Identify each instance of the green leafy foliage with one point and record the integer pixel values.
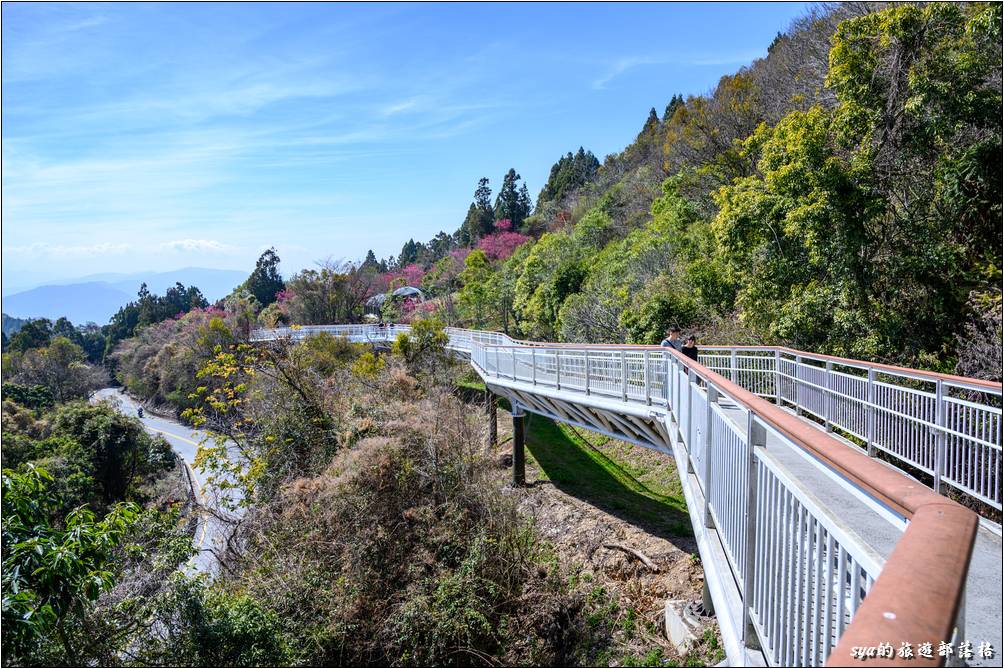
(149, 309)
(33, 397)
(59, 367)
(843, 199)
(50, 572)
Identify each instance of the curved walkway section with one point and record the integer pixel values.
(811, 548)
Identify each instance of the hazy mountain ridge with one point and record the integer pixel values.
(95, 298)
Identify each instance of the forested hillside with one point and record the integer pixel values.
(841, 195)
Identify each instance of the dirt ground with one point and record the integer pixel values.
(581, 533)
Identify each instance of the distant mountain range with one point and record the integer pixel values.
(96, 297)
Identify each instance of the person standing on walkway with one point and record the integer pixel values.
(690, 348)
(672, 339)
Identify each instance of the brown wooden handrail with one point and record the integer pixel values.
(917, 595)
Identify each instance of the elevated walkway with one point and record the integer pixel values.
(811, 548)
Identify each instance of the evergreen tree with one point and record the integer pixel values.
(651, 123)
(525, 204)
(265, 281)
(483, 201)
(468, 233)
(513, 202)
(674, 103)
(35, 333)
(371, 260)
(480, 219)
(567, 175)
(409, 254)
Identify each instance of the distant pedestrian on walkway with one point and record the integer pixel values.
(690, 348)
(673, 339)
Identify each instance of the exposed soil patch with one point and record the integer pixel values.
(597, 500)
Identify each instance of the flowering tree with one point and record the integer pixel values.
(410, 275)
(503, 242)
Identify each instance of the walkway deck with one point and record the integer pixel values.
(984, 620)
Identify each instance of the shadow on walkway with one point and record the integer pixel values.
(578, 469)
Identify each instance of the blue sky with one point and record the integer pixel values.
(151, 137)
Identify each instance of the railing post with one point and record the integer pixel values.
(691, 379)
(680, 428)
(798, 385)
(756, 437)
(777, 377)
(675, 366)
(940, 436)
(624, 375)
(870, 413)
(827, 396)
(709, 417)
(648, 388)
(512, 352)
(533, 364)
(498, 367)
(733, 368)
(587, 371)
(557, 368)
(668, 389)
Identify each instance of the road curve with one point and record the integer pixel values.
(210, 534)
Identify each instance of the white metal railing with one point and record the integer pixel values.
(947, 427)
(801, 573)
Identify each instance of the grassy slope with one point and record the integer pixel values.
(616, 478)
(623, 480)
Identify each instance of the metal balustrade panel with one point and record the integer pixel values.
(810, 574)
(848, 395)
(973, 461)
(904, 422)
(728, 486)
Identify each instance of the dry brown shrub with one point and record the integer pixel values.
(406, 549)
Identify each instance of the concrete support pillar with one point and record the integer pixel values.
(518, 445)
(493, 420)
(706, 603)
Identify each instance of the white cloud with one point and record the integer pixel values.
(622, 65)
(199, 246)
(44, 249)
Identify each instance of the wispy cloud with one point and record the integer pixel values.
(619, 66)
(622, 65)
(104, 249)
(200, 246)
(46, 250)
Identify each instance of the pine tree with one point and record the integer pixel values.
(513, 202)
(651, 123)
(409, 254)
(675, 103)
(265, 281)
(525, 205)
(483, 201)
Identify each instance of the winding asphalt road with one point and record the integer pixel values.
(210, 533)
